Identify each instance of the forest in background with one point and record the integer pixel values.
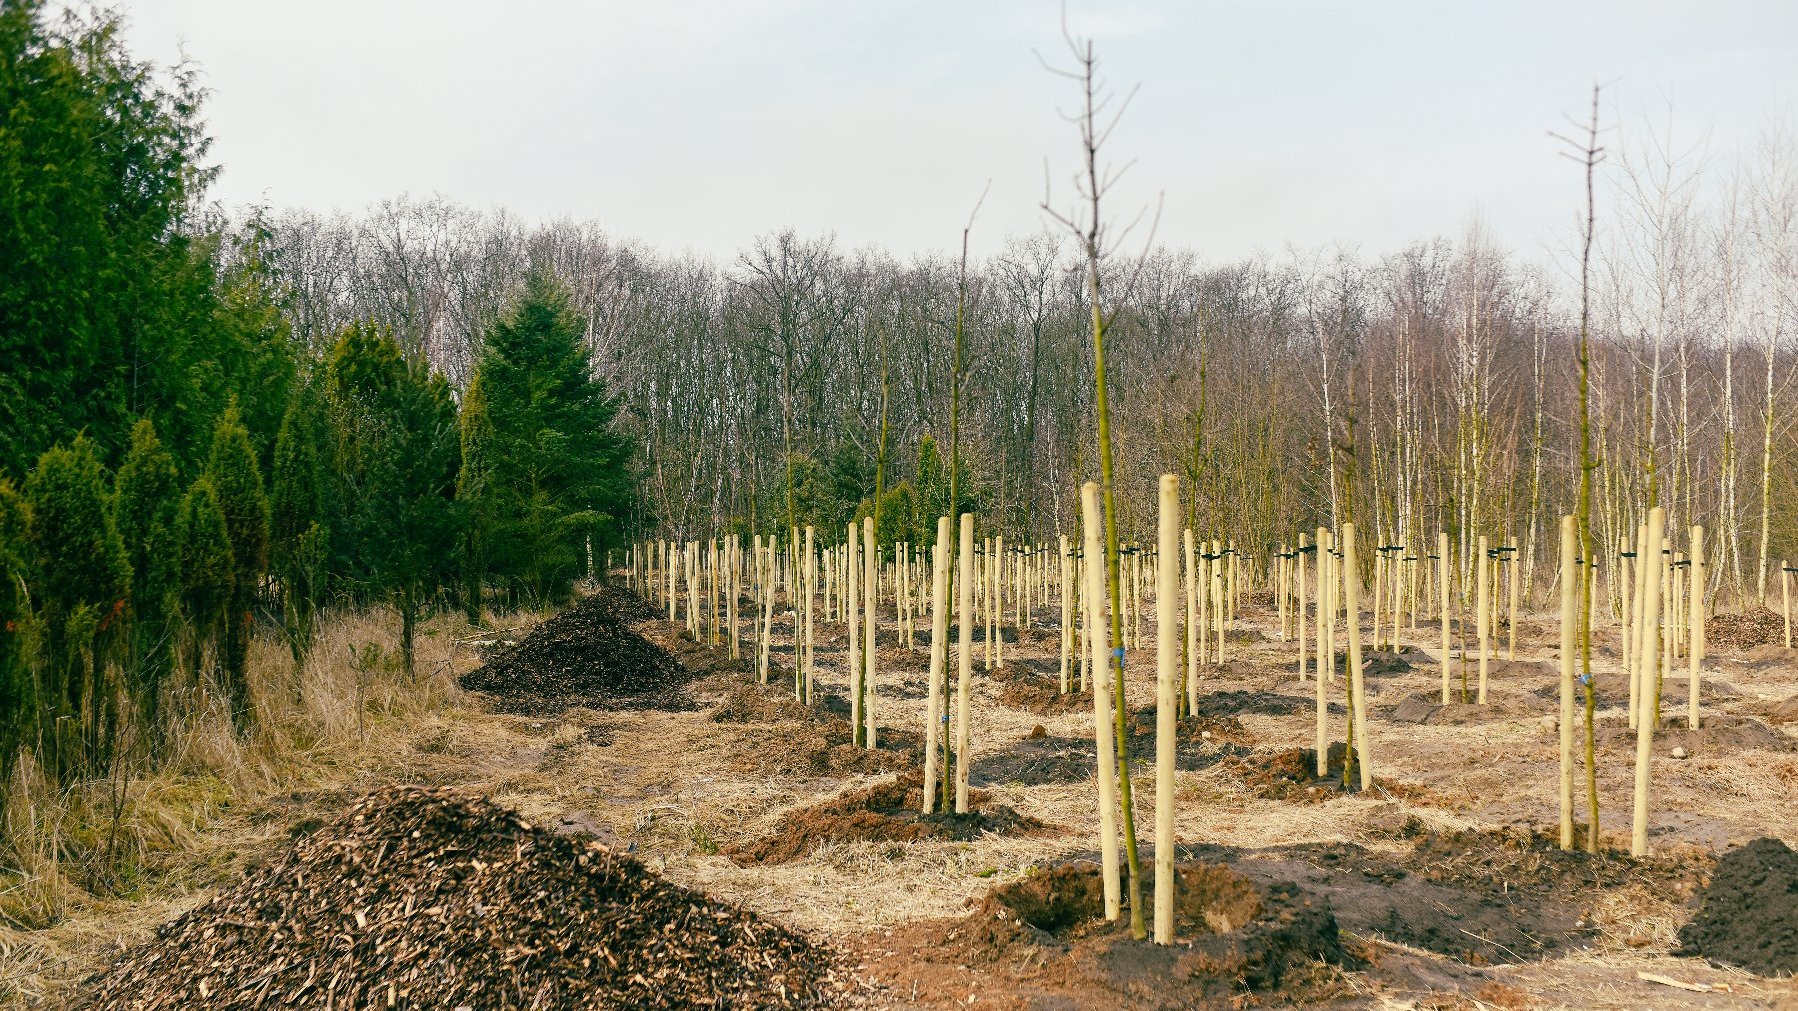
(1431, 388)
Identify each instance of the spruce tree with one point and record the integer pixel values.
(237, 481)
(82, 581)
(208, 572)
(148, 494)
(559, 472)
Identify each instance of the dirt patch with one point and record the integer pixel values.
(1422, 709)
(1232, 934)
(1782, 712)
(1749, 914)
(1291, 774)
(1504, 863)
(782, 736)
(1747, 630)
(755, 703)
(1241, 703)
(885, 812)
(1717, 734)
(587, 656)
(1021, 687)
(420, 898)
(1034, 761)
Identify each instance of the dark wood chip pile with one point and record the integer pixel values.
(428, 898)
(586, 656)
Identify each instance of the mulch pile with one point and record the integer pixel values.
(586, 656)
(885, 812)
(428, 898)
(1759, 627)
(1749, 913)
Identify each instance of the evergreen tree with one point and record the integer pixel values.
(147, 497)
(299, 535)
(18, 695)
(471, 486)
(208, 571)
(559, 473)
(83, 580)
(237, 481)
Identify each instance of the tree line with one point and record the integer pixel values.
(183, 468)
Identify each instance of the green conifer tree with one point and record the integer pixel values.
(471, 486)
(83, 582)
(237, 481)
(299, 534)
(148, 494)
(18, 695)
(208, 572)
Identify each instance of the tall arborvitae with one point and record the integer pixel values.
(299, 533)
(149, 493)
(208, 572)
(415, 486)
(558, 472)
(471, 483)
(18, 695)
(82, 582)
(237, 481)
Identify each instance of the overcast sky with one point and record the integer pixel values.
(696, 126)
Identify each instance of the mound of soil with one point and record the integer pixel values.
(1199, 741)
(1749, 913)
(1420, 709)
(1241, 703)
(1292, 774)
(1379, 663)
(884, 812)
(1747, 630)
(1717, 733)
(1781, 712)
(785, 737)
(1036, 760)
(421, 898)
(587, 656)
(1021, 687)
(1229, 932)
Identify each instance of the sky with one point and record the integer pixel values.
(695, 127)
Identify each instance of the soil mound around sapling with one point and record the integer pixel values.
(1036, 760)
(783, 736)
(1199, 741)
(886, 812)
(1230, 932)
(1759, 627)
(420, 898)
(1291, 775)
(1021, 687)
(1422, 709)
(1716, 734)
(1748, 915)
(1243, 703)
(586, 656)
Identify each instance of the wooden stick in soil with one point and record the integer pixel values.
(1785, 598)
(871, 555)
(1192, 621)
(1695, 631)
(1569, 644)
(1482, 618)
(1167, 674)
(1351, 590)
(964, 660)
(852, 618)
(1103, 729)
(1639, 635)
(1298, 568)
(1645, 719)
(1513, 562)
(735, 549)
(1442, 562)
(1324, 656)
(811, 593)
(939, 649)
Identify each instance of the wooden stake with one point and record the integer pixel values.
(1324, 656)
(1103, 732)
(964, 659)
(852, 618)
(1569, 638)
(1298, 569)
(1639, 634)
(1167, 674)
(1351, 593)
(871, 585)
(811, 591)
(1514, 563)
(1695, 652)
(1645, 719)
(1483, 616)
(939, 650)
(1442, 583)
(1192, 622)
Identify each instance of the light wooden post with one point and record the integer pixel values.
(1639, 635)
(1067, 614)
(1098, 650)
(1298, 568)
(986, 601)
(1351, 593)
(1167, 675)
(1645, 720)
(1482, 617)
(1323, 653)
(768, 610)
(1442, 584)
(852, 618)
(1695, 650)
(964, 660)
(1625, 586)
(1569, 639)
(1785, 598)
(673, 580)
(1192, 622)
(1379, 589)
(999, 600)
(1217, 595)
(1516, 568)
(939, 650)
(870, 584)
(733, 548)
(811, 592)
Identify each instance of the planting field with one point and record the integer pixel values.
(1442, 886)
